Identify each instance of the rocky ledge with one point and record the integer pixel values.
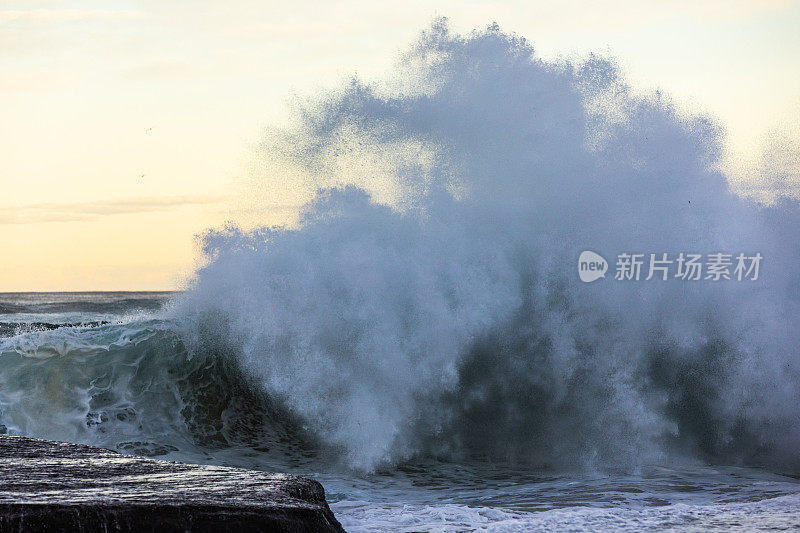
(54, 486)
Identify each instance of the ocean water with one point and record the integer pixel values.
(111, 369)
(420, 340)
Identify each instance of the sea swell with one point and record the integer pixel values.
(426, 304)
(134, 387)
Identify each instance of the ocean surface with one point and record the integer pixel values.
(419, 338)
(112, 370)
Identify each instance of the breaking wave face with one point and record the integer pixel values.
(132, 385)
(427, 301)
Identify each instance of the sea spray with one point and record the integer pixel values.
(427, 304)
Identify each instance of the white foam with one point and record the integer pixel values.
(776, 514)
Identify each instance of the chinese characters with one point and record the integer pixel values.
(716, 266)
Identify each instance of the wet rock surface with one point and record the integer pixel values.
(55, 486)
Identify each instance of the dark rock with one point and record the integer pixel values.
(54, 486)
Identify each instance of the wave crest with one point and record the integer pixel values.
(426, 303)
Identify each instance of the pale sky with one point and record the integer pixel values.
(127, 127)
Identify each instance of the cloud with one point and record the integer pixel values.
(88, 211)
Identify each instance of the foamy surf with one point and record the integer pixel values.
(777, 514)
